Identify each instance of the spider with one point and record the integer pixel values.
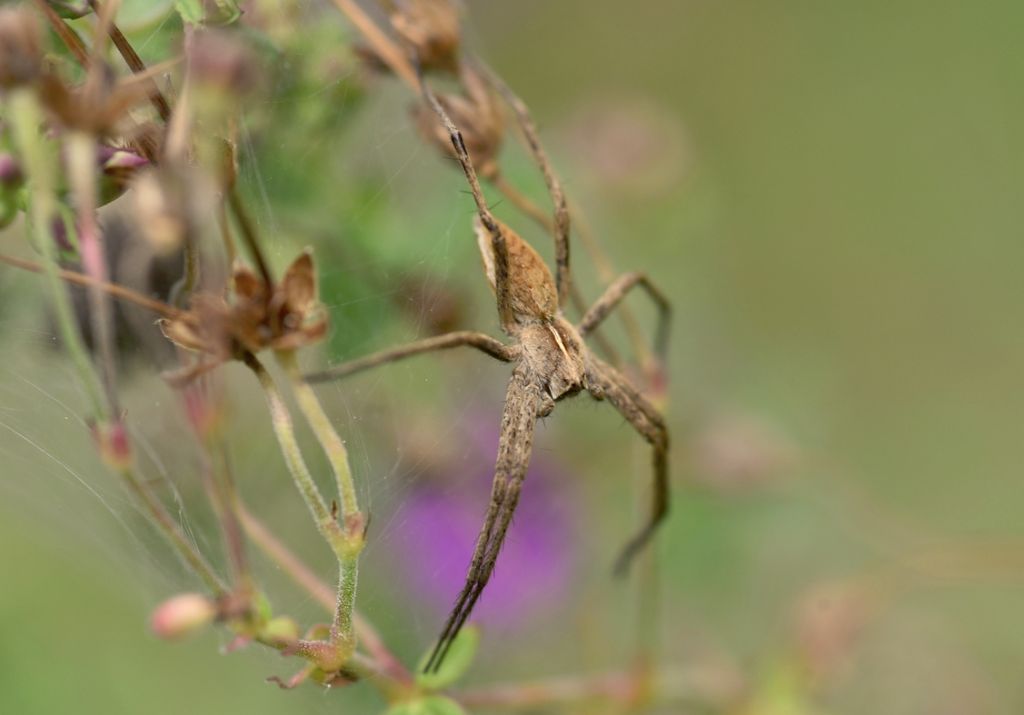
(551, 361)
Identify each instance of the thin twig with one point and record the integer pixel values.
(114, 289)
(385, 48)
(248, 230)
(135, 63)
(172, 532)
(68, 36)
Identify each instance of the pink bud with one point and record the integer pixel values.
(181, 615)
(120, 159)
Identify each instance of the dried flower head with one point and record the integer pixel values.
(431, 29)
(21, 50)
(282, 316)
(479, 118)
(98, 106)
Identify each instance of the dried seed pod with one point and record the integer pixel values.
(479, 118)
(21, 49)
(431, 29)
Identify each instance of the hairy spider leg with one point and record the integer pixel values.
(561, 208)
(614, 294)
(523, 400)
(611, 385)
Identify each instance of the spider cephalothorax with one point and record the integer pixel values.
(550, 346)
(551, 361)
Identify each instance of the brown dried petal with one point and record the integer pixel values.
(295, 339)
(183, 335)
(298, 287)
(248, 286)
(97, 106)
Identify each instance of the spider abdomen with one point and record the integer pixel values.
(531, 291)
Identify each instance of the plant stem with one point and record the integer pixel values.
(346, 543)
(353, 520)
(134, 62)
(118, 291)
(281, 419)
(81, 153)
(172, 532)
(332, 444)
(26, 118)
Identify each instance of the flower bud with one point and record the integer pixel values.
(21, 53)
(182, 615)
(281, 630)
(222, 62)
(11, 175)
(431, 28)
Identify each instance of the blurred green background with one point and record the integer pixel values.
(831, 195)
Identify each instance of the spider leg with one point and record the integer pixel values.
(501, 259)
(614, 294)
(532, 136)
(606, 381)
(480, 341)
(522, 402)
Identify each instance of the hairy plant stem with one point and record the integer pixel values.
(352, 520)
(368, 637)
(345, 543)
(332, 444)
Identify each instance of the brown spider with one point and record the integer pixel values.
(551, 361)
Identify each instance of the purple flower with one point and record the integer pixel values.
(435, 530)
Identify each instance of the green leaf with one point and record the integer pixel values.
(429, 705)
(191, 11)
(194, 12)
(456, 662)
